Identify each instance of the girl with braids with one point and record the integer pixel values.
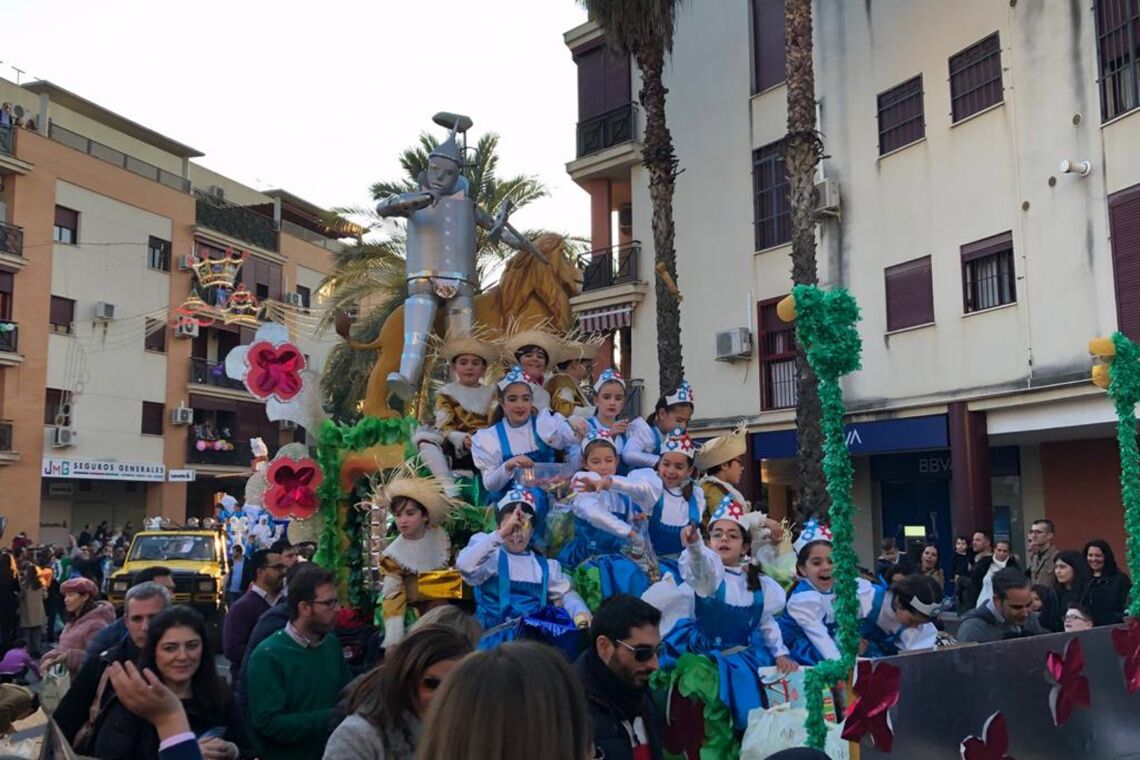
(735, 609)
(672, 413)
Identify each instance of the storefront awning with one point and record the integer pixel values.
(606, 319)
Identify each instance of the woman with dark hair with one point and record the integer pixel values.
(518, 702)
(1108, 588)
(388, 704)
(1070, 584)
(178, 652)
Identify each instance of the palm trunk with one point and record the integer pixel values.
(661, 163)
(802, 150)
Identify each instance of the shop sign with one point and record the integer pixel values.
(60, 489)
(875, 436)
(100, 469)
(182, 476)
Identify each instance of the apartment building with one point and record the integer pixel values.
(981, 262)
(98, 215)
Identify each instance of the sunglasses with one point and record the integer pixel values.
(641, 652)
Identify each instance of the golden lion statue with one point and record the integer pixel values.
(529, 292)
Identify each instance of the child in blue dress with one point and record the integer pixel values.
(609, 512)
(609, 398)
(511, 582)
(900, 617)
(645, 436)
(679, 503)
(735, 608)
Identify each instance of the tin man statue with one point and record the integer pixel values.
(441, 251)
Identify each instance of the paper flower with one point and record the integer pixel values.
(994, 743)
(1070, 686)
(1126, 642)
(292, 488)
(274, 370)
(876, 690)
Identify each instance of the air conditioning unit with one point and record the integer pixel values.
(733, 344)
(62, 438)
(288, 425)
(216, 192)
(184, 262)
(182, 415)
(294, 299)
(827, 197)
(105, 311)
(187, 328)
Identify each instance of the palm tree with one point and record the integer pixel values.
(644, 30)
(802, 151)
(369, 277)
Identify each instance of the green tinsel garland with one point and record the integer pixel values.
(1124, 390)
(825, 327)
(332, 443)
(697, 677)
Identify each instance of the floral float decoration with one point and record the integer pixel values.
(274, 369)
(1070, 689)
(993, 744)
(1126, 642)
(292, 491)
(876, 690)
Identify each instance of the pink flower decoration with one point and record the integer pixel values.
(994, 744)
(1070, 686)
(274, 370)
(1126, 642)
(292, 488)
(876, 690)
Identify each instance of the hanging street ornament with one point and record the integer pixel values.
(994, 744)
(1126, 642)
(1070, 686)
(876, 690)
(242, 309)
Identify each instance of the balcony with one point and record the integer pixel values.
(11, 245)
(6, 140)
(608, 145)
(204, 372)
(239, 456)
(235, 221)
(611, 289)
(7, 455)
(9, 344)
(117, 158)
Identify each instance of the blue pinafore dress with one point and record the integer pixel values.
(666, 539)
(799, 645)
(545, 454)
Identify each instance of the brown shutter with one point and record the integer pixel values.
(65, 217)
(767, 43)
(591, 80)
(6, 281)
(62, 311)
(1124, 231)
(980, 248)
(910, 294)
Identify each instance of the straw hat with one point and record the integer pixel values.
(574, 348)
(476, 342)
(406, 482)
(539, 336)
(723, 448)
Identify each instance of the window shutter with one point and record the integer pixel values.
(65, 217)
(767, 43)
(1124, 229)
(980, 248)
(616, 85)
(6, 282)
(910, 294)
(591, 81)
(62, 311)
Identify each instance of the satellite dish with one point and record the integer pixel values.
(448, 120)
(18, 111)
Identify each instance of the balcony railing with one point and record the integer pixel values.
(607, 130)
(239, 456)
(11, 239)
(607, 267)
(9, 337)
(236, 221)
(117, 158)
(203, 372)
(6, 140)
(5, 435)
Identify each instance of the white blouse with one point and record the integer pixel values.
(488, 454)
(674, 506)
(601, 508)
(478, 563)
(641, 447)
(814, 611)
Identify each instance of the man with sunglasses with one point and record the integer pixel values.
(615, 673)
(295, 676)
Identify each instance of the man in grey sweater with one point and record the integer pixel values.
(1006, 615)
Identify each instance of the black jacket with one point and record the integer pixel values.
(125, 736)
(612, 728)
(1107, 597)
(74, 708)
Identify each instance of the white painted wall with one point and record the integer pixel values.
(117, 374)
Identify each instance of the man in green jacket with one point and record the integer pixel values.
(296, 675)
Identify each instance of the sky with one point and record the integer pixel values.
(319, 98)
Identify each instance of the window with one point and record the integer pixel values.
(988, 278)
(603, 81)
(1118, 53)
(155, 339)
(306, 296)
(772, 209)
(62, 314)
(767, 44)
(777, 358)
(57, 408)
(261, 278)
(975, 78)
(158, 254)
(152, 417)
(910, 294)
(7, 282)
(900, 116)
(66, 228)
(1124, 233)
